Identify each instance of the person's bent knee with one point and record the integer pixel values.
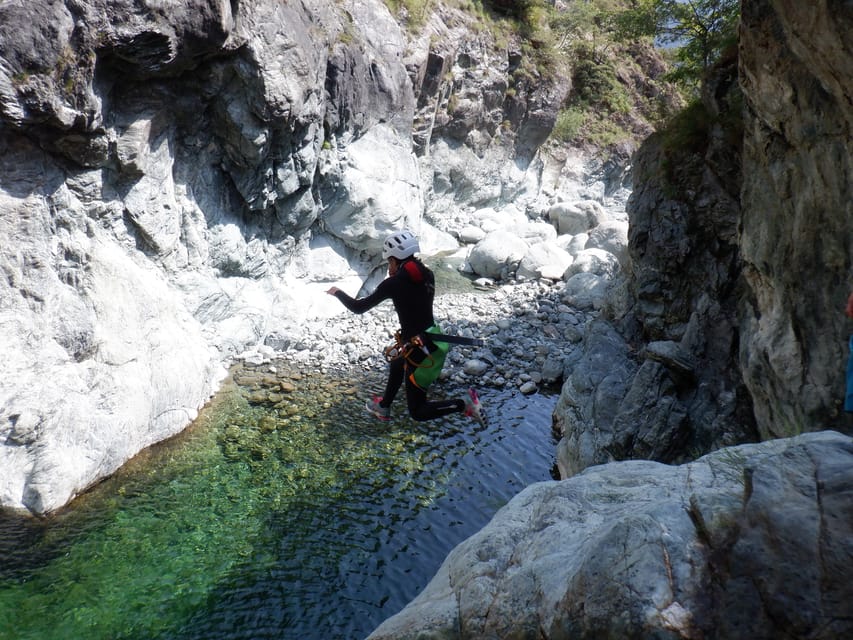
(420, 414)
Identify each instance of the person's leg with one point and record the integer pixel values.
(395, 379)
(420, 409)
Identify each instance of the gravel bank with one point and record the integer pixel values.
(530, 328)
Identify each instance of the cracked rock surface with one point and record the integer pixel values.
(754, 541)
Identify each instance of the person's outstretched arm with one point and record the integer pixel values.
(360, 305)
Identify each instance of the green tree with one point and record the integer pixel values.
(701, 31)
(635, 20)
(698, 32)
(588, 24)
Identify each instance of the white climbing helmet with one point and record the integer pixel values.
(400, 245)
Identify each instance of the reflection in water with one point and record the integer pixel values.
(276, 515)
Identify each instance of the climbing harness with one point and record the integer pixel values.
(425, 369)
(405, 350)
(402, 349)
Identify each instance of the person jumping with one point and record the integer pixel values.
(417, 359)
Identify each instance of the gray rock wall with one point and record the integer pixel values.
(127, 135)
(660, 378)
(730, 326)
(797, 224)
(170, 178)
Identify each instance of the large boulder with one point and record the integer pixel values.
(610, 236)
(544, 260)
(754, 541)
(586, 290)
(576, 217)
(497, 254)
(595, 261)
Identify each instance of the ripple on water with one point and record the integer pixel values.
(296, 516)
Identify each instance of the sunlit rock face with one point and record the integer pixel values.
(179, 180)
(158, 176)
(742, 543)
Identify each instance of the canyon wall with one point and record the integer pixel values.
(730, 327)
(796, 229)
(179, 184)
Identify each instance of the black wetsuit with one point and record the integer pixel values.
(412, 290)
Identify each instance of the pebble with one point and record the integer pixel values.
(475, 367)
(527, 388)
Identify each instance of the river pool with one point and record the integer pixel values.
(303, 520)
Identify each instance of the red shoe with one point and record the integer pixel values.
(373, 406)
(473, 407)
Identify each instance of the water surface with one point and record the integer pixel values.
(291, 516)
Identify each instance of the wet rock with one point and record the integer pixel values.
(258, 397)
(528, 388)
(475, 367)
(552, 369)
(267, 424)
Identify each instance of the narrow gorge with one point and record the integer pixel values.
(180, 182)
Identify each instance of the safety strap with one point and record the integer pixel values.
(443, 337)
(402, 349)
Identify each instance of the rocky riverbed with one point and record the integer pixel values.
(530, 329)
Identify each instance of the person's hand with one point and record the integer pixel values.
(849, 309)
(333, 290)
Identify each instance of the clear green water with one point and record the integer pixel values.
(296, 517)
